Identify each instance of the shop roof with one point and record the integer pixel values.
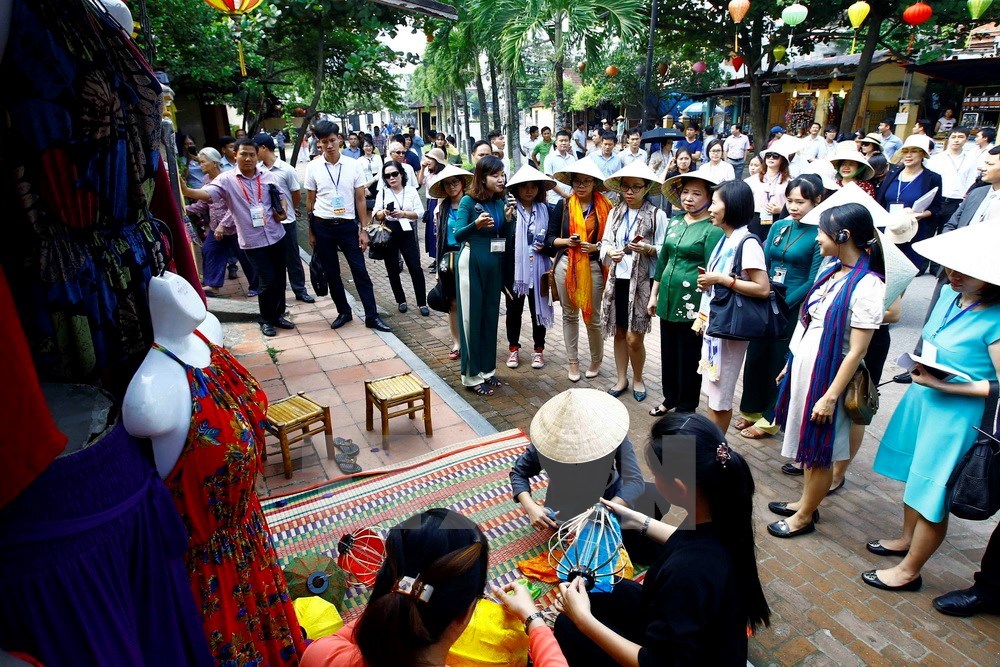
(431, 8)
(965, 71)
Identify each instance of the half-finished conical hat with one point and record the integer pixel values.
(579, 425)
(966, 250)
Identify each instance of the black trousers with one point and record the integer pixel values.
(269, 263)
(342, 235)
(293, 263)
(515, 309)
(680, 352)
(619, 610)
(878, 350)
(948, 208)
(404, 243)
(765, 359)
(988, 577)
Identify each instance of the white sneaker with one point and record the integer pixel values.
(537, 360)
(514, 360)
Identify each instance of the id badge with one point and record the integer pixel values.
(257, 216)
(405, 225)
(779, 275)
(896, 209)
(929, 352)
(498, 245)
(766, 218)
(339, 204)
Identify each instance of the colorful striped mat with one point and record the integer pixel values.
(471, 478)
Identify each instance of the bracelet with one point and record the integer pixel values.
(645, 527)
(733, 284)
(532, 617)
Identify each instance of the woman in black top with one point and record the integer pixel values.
(703, 592)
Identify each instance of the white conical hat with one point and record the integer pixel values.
(958, 250)
(586, 167)
(786, 147)
(854, 155)
(672, 186)
(579, 425)
(825, 170)
(528, 174)
(921, 141)
(635, 169)
(899, 270)
(451, 171)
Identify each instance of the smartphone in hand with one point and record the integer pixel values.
(701, 270)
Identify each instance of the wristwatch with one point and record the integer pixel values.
(531, 617)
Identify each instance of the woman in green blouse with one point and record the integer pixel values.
(793, 258)
(687, 245)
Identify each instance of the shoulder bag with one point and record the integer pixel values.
(861, 397)
(737, 317)
(320, 283)
(975, 483)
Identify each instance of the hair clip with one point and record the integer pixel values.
(414, 588)
(722, 454)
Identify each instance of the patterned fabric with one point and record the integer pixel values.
(639, 286)
(246, 611)
(578, 283)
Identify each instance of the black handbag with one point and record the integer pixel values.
(317, 276)
(975, 482)
(446, 264)
(737, 317)
(436, 299)
(378, 241)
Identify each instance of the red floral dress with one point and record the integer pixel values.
(237, 583)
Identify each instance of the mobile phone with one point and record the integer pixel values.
(478, 208)
(391, 206)
(510, 200)
(637, 238)
(575, 237)
(701, 270)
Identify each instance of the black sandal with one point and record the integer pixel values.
(659, 410)
(346, 446)
(493, 381)
(482, 389)
(347, 464)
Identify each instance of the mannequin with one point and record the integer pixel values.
(157, 403)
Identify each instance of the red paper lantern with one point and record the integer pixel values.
(611, 70)
(360, 554)
(582, 67)
(917, 14)
(699, 67)
(737, 63)
(661, 69)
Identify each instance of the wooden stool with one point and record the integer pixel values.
(295, 413)
(395, 390)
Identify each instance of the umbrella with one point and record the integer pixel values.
(361, 555)
(661, 134)
(591, 544)
(694, 109)
(316, 575)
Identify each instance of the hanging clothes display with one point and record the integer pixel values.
(247, 613)
(92, 569)
(81, 112)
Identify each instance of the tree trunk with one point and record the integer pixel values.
(484, 118)
(753, 57)
(495, 92)
(317, 91)
(558, 64)
(513, 127)
(875, 19)
(468, 135)
(454, 122)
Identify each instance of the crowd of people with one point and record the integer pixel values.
(620, 236)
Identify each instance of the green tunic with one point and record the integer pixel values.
(479, 283)
(791, 248)
(686, 246)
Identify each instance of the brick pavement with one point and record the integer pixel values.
(821, 612)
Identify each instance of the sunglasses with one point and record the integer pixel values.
(391, 174)
(397, 152)
(771, 156)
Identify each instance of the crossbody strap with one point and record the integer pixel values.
(989, 422)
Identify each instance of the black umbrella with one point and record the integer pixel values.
(661, 134)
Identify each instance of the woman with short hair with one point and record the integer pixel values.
(716, 167)
(398, 207)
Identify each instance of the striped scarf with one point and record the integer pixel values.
(816, 440)
(578, 281)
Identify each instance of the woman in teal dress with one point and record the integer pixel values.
(793, 258)
(933, 427)
(481, 230)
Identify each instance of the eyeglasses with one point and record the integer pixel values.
(451, 182)
(391, 174)
(633, 188)
(582, 183)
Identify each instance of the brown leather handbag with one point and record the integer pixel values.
(548, 286)
(861, 397)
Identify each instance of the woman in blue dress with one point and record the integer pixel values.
(933, 427)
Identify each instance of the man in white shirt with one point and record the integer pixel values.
(557, 160)
(288, 184)
(982, 203)
(735, 149)
(335, 203)
(958, 171)
(890, 142)
(985, 138)
(580, 139)
(811, 143)
(498, 146)
(528, 147)
(632, 152)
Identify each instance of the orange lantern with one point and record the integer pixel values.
(738, 9)
(611, 70)
(582, 67)
(661, 69)
(234, 9)
(913, 16)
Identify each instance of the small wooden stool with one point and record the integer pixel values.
(395, 390)
(295, 413)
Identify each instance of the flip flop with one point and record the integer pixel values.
(755, 433)
(742, 423)
(347, 464)
(346, 446)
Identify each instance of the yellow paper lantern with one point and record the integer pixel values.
(492, 637)
(235, 9)
(857, 13)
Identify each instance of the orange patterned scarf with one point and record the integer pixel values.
(578, 281)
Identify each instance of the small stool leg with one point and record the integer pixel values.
(409, 405)
(369, 425)
(328, 432)
(428, 428)
(286, 454)
(384, 408)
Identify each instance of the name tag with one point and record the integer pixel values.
(405, 224)
(257, 216)
(895, 209)
(766, 218)
(339, 204)
(779, 276)
(498, 245)
(929, 352)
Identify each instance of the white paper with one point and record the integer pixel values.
(921, 204)
(908, 361)
(404, 223)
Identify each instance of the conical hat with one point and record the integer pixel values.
(672, 186)
(921, 141)
(635, 169)
(854, 155)
(899, 270)
(451, 171)
(824, 170)
(579, 425)
(528, 174)
(786, 147)
(956, 250)
(585, 167)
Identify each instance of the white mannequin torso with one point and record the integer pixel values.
(157, 403)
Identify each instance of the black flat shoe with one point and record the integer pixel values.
(781, 509)
(402, 307)
(307, 298)
(284, 323)
(837, 488)
(968, 602)
(791, 469)
(268, 329)
(780, 529)
(377, 324)
(341, 321)
(875, 547)
(425, 311)
(232, 272)
(872, 580)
